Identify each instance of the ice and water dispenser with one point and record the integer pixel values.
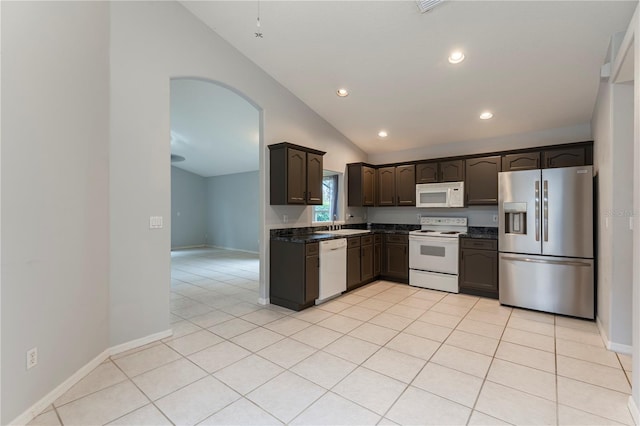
(515, 218)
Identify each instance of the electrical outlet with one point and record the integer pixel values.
(495, 218)
(32, 358)
(155, 222)
(285, 218)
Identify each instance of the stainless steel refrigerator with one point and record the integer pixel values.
(546, 240)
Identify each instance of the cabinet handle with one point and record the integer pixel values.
(318, 262)
(305, 195)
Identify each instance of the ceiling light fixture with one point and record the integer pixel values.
(456, 57)
(382, 134)
(486, 115)
(342, 93)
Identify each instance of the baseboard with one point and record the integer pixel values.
(37, 408)
(189, 247)
(612, 346)
(115, 350)
(633, 409)
(234, 249)
(263, 300)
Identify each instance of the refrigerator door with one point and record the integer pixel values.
(545, 283)
(519, 209)
(567, 212)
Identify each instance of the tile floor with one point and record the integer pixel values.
(384, 354)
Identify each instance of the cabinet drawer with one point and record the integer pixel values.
(353, 242)
(397, 238)
(366, 240)
(479, 244)
(312, 249)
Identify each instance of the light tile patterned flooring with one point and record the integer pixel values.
(384, 354)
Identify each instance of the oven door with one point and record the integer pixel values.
(435, 254)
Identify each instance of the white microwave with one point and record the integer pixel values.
(444, 194)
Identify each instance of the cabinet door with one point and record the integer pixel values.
(353, 267)
(396, 260)
(479, 271)
(387, 186)
(524, 161)
(314, 179)
(452, 171)
(296, 176)
(406, 185)
(366, 262)
(427, 172)
(564, 157)
(481, 184)
(377, 259)
(312, 278)
(368, 186)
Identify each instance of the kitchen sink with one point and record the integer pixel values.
(345, 232)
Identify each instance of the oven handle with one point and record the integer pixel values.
(431, 239)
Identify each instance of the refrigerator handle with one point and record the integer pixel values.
(545, 208)
(537, 210)
(547, 262)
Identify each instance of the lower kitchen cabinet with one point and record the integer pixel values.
(478, 267)
(395, 257)
(353, 262)
(360, 261)
(377, 255)
(294, 275)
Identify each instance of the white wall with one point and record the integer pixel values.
(188, 209)
(476, 215)
(55, 225)
(152, 42)
(232, 211)
(613, 162)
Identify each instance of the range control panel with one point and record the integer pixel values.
(442, 221)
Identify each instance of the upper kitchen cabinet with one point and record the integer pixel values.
(481, 184)
(567, 157)
(441, 171)
(295, 175)
(397, 185)
(361, 185)
(522, 161)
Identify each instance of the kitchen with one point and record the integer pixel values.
(174, 29)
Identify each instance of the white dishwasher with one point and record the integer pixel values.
(333, 269)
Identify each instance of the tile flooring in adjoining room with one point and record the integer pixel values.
(384, 354)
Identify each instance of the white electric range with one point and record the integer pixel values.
(433, 253)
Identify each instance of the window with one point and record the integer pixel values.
(328, 211)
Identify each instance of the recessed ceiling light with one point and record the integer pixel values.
(342, 93)
(456, 57)
(486, 115)
(382, 134)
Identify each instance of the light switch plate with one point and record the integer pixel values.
(155, 222)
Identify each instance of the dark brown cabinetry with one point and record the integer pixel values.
(360, 261)
(479, 267)
(442, 171)
(294, 274)
(361, 185)
(366, 259)
(377, 255)
(295, 174)
(523, 161)
(481, 185)
(397, 185)
(395, 257)
(566, 157)
(353, 262)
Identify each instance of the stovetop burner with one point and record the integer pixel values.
(427, 230)
(450, 232)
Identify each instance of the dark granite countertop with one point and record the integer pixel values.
(314, 234)
(484, 232)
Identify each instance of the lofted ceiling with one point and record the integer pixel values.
(535, 65)
(213, 128)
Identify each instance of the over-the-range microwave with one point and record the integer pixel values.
(443, 194)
